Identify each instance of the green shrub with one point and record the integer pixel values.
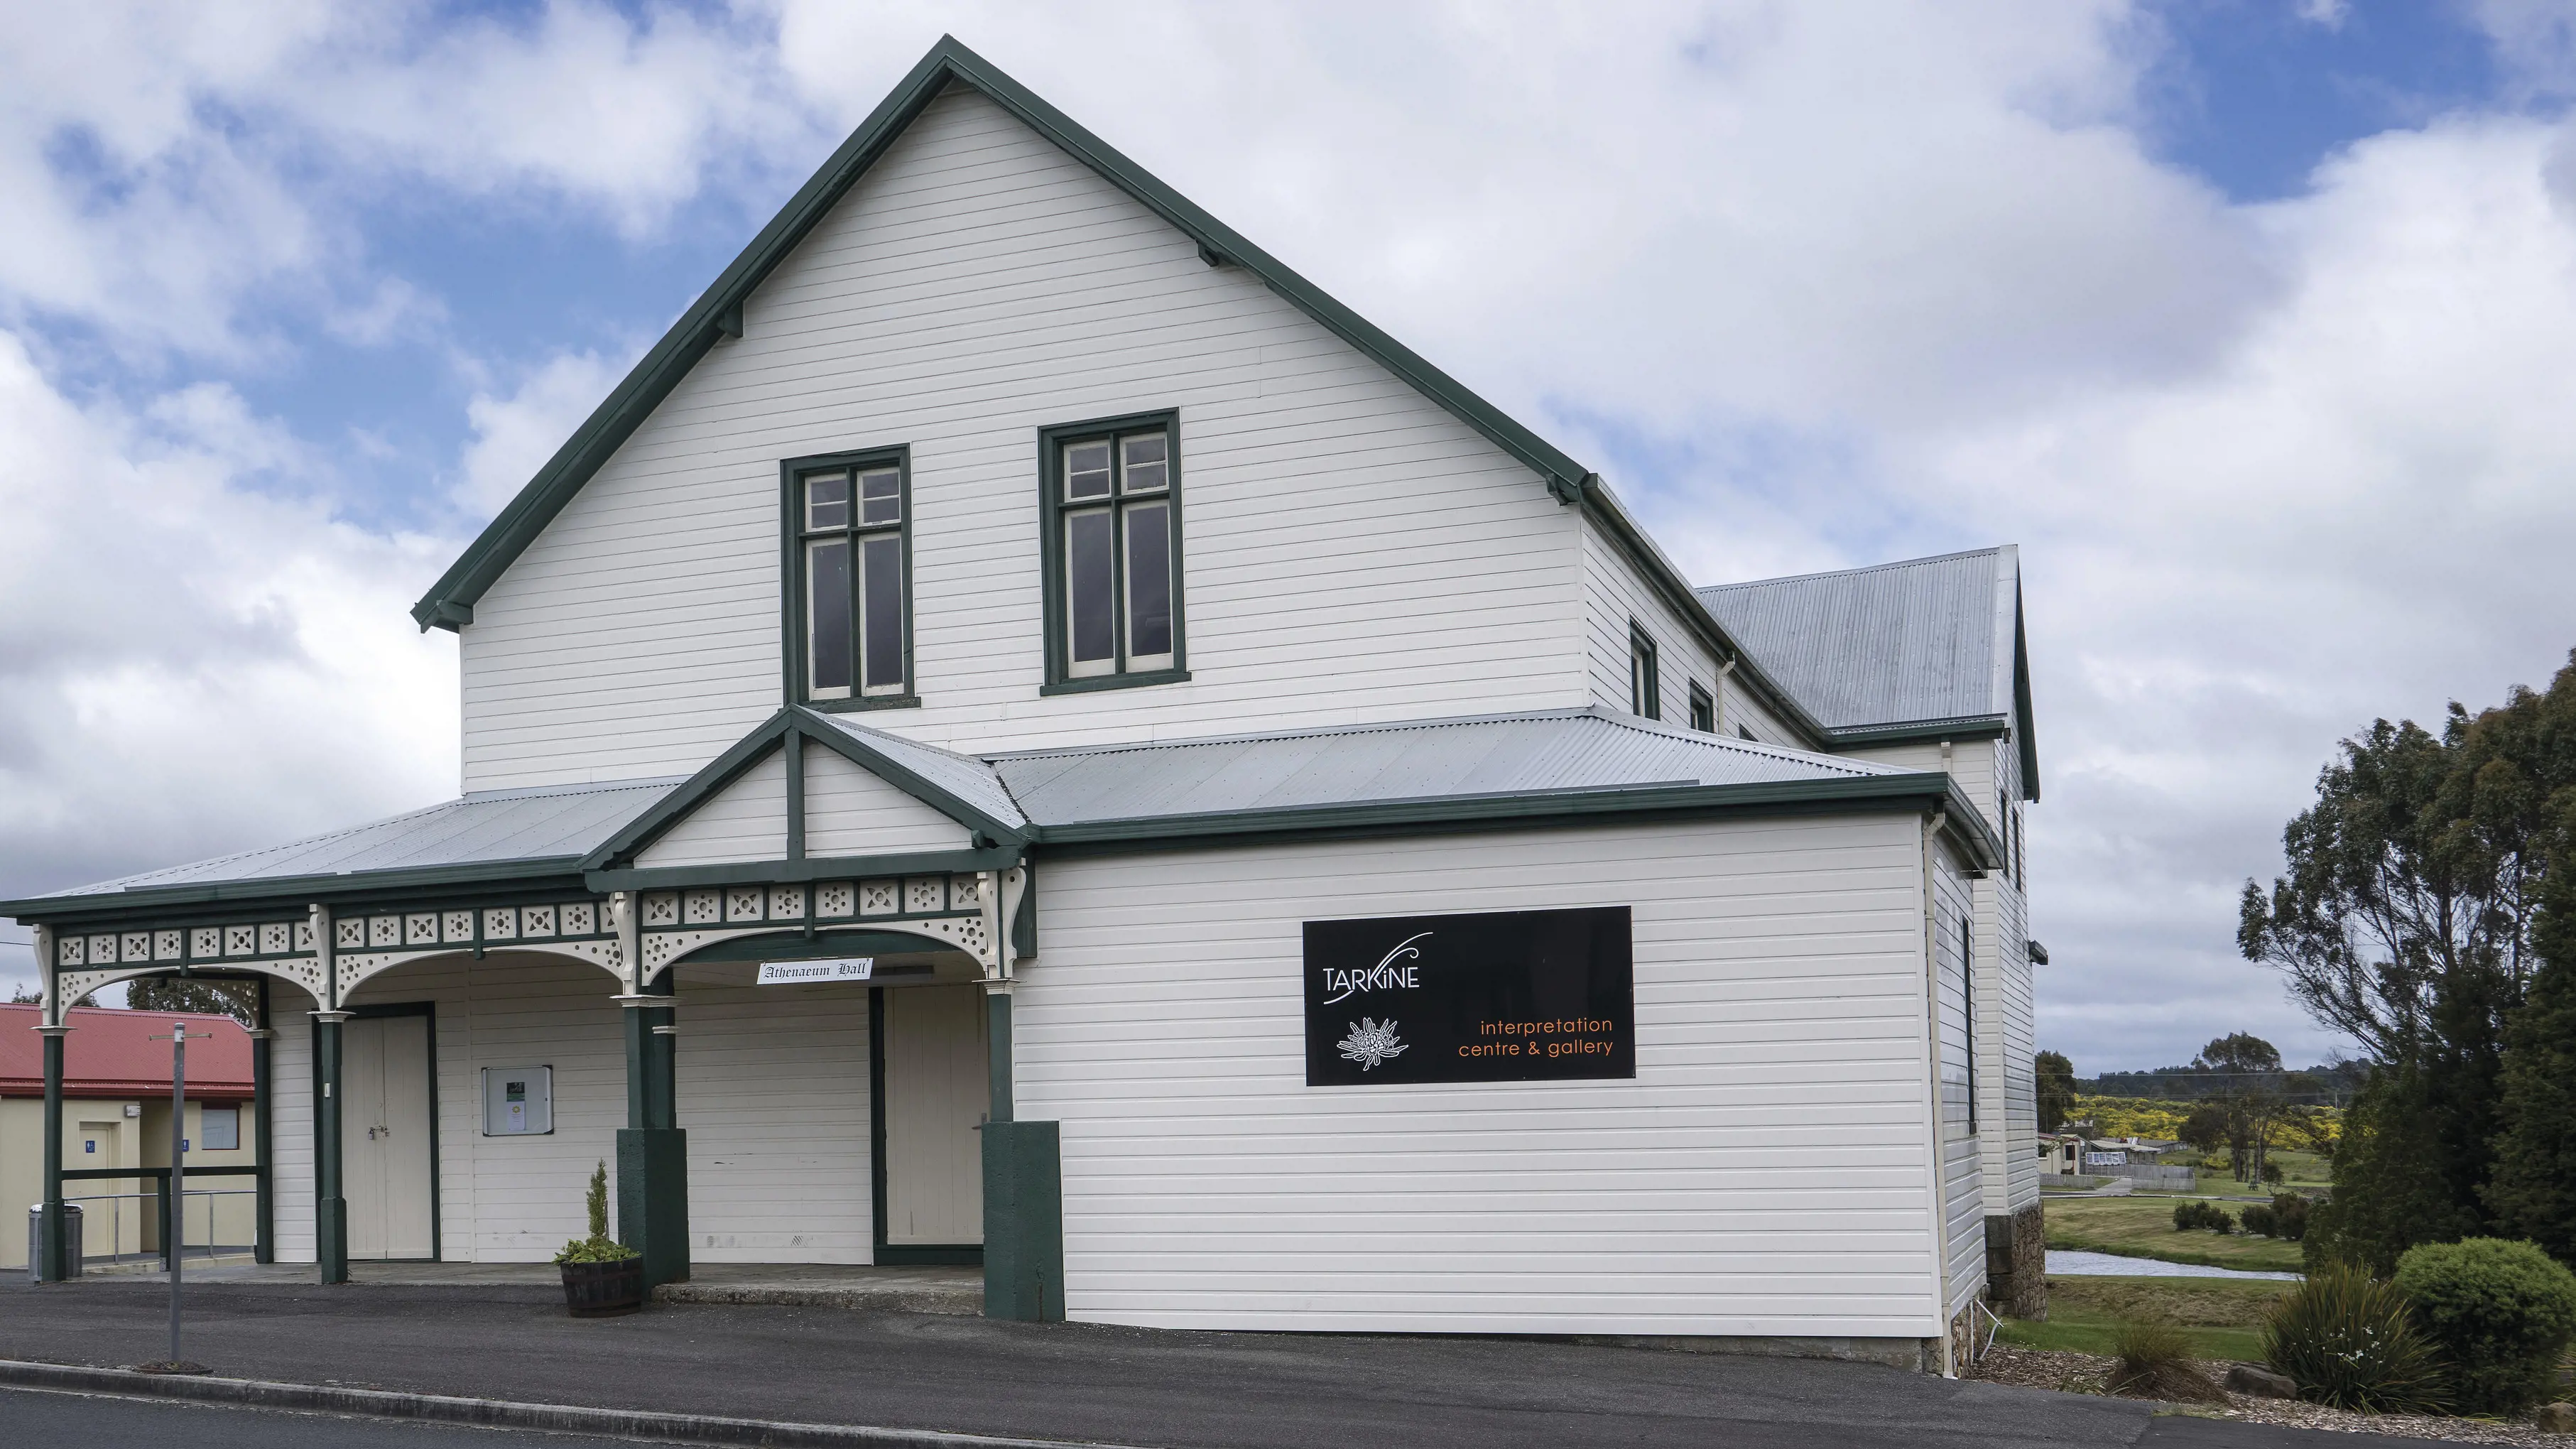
(2289, 1216)
(2349, 1340)
(2259, 1219)
(2193, 1213)
(2501, 1312)
(599, 1247)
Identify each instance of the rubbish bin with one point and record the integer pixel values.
(36, 1236)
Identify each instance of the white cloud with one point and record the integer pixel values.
(515, 435)
(192, 661)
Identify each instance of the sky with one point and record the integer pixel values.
(2253, 323)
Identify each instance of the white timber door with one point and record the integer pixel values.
(384, 1135)
(936, 1094)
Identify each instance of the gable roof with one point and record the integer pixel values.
(1924, 648)
(717, 313)
(450, 602)
(957, 786)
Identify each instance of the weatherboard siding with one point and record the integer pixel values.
(774, 1097)
(1767, 1172)
(849, 811)
(290, 1122)
(746, 820)
(1615, 594)
(1352, 552)
(1963, 1198)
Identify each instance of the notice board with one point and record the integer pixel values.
(1503, 996)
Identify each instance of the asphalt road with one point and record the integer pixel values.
(1173, 1390)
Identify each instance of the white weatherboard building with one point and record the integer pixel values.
(1303, 858)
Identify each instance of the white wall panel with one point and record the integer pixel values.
(1767, 1172)
(1963, 1200)
(1353, 553)
(773, 1092)
(517, 1199)
(849, 811)
(290, 1122)
(746, 820)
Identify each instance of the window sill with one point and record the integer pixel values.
(1116, 681)
(880, 701)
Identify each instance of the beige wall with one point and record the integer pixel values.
(141, 1140)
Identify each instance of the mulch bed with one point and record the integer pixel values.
(2086, 1373)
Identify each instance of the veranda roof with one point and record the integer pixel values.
(1534, 767)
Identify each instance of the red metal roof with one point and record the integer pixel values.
(110, 1054)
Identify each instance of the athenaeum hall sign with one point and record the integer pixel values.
(1510, 996)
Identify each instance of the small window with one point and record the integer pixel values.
(849, 587)
(1703, 707)
(1113, 552)
(1645, 689)
(2021, 857)
(1744, 733)
(221, 1129)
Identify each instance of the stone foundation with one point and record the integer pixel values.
(2017, 1264)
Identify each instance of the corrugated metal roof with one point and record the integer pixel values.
(111, 1052)
(964, 776)
(487, 827)
(1923, 640)
(1563, 750)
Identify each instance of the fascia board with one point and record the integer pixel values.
(1924, 790)
(450, 602)
(842, 867)
(1907, 732)
(104, 906)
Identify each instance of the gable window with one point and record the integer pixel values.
(1645, 690)
(1112, 517)
(1703, 707)
(848, 572)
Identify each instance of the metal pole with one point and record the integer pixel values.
(178, 1170)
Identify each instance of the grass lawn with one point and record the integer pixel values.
(2223, 1318)
(2142, 1227)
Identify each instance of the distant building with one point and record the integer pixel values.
(116, 1114)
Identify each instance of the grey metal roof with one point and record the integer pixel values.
(484, 828)
(1560, 750)
(964, 776)
(1590, 757)
(1926, 640)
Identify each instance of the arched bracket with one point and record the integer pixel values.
(71, 986)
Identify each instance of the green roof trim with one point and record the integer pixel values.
(449, 604)
(615, 855)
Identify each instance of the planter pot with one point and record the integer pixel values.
(603, 1290)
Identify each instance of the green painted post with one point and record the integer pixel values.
(997, 1057)
(652, 1150)
(53, 1249)
(330, 1209)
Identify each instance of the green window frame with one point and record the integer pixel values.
(1703, 709)
(845, 565)
(1110, 512)
(1645, 682)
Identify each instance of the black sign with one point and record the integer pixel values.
(1512, 996)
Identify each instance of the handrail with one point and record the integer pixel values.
(155, 1174)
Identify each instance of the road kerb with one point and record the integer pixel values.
(497, 1413)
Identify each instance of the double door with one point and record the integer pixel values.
(386, 1172)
